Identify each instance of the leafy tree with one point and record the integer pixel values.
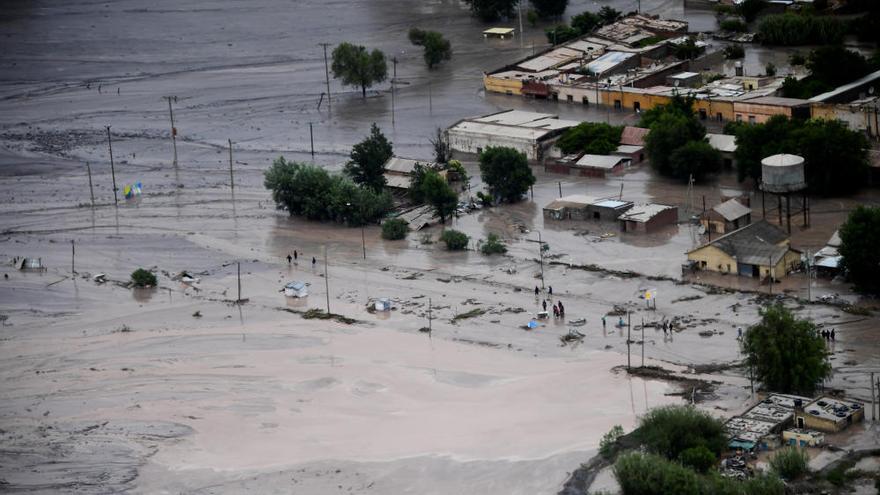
(786, 354)
(506, 173)
(493, 245)
(586, 22)
(734, 25)
(797, 59)
(795, 29)
(835, 65)
(143, 278)
(439, 195)
(699, 458)
(688, 50)
(596, 138)
(436, 47)
(859, 238)
(367, 164)
(442, 151)
(697, 158)
(560, 34)
(312, 192)
(671, 430)
(357, 67)
(770, 69)
(680, 105)
(395, 229)
(750, 9)
(549, 8)
(734, 51)
(669, 133)
(457, 172)
(609, 15)
(454, 240)
(532, 17)
(492, 10)
(790, 463)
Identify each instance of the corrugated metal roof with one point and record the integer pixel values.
(606, 162)
(498, 30)
(551, 59)
(608, 61)
(611, 203)
(732, 210)
(643, 213)
(551, 123)
(634, 136)
(401, 165)
(513, 117)
(490, 130)
(846, 87)
(629, 148)
(754, 244)
(396, 181)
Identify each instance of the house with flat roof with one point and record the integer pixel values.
(648, 217)
(758, 250)
(571, 207)
(830, 415)
(530, 133)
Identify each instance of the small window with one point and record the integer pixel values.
(637, 106)
(751, 119)
(720, 117)
(703, 114)
(570, 98)
(585, 100)
(739, 117)
(617, 104)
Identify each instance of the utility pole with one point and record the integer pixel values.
(91, 189)
(873, 402)
(643, 342)
(327, 76)
(239, 283)
(231, 177)
(809, 278)
(541, 253)
(628, 341)
(393, 80)
(519, 13)
(173, 129)
(559, 183)
(770, 272)
(430, 102)
(430, 315)
(112, 168)
(312, 140)
(326, 280)
(72, 257)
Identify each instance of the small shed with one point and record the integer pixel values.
(600, 165)
(648, 217)
(572, 207)
(608, 210)
(830, 415)
(498, 32)
(636, 154)
(727, 217)
(296, 289)
(798, 437)
(31, 264)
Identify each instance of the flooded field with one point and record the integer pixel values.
(178, 389)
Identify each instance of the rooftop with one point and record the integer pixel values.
(724, 143)
(832, 409)
(629, 148)
(401, 165)
(645, 212)
(600, 161)
(571, 201)
(513, 117)
(472, 127)
(732, 209)
(608, 62)
(758, 243)
(634, 136)
(846, 87)
(684, 75)
(612, 203)
(498, 31)
(777, 101)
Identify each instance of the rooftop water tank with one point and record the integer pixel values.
(783, 173)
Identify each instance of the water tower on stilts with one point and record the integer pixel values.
(783, 176)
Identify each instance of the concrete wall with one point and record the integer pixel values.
(758, 113)
(467, 143)
(499, 85)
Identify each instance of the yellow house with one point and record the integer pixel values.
(758, 250)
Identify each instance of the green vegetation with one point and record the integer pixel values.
(506, 173)
(786, 354)
(493, 245)
(310, 191)
(671, 430)
(675, 141)
(560, 34)
(367, 164)
(549, 8)
(596, 138)
(586, 22)
(829, 66)
(734, 25)
(791, 29)
(436, 47)
(688, 50)
(790, 463)
(733, 52)
(437, 193)
(454, 240)
(859, 238)
(797, 59)
(836, 157)
(609, 15)
(442, 151)
(492, 10)
(457, 173)
(700, 459)
(357, 67)
(750, 9)
(395, 229)
(143, 278)
(770, 69)
(609, 444)
(696, 158)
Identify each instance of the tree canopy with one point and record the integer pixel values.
(436, 47)
(506, 173)
(357, 67)
(697, 158)
(790, 29)
(597, 138)
(829, 66)
(367, 164)
(492, 10)
(673, 126)
(585, 22)
(836, 158)
(859, 238)
(437, 193)
(671, 430)
(549, 8)
(786, 354)
(312, 192)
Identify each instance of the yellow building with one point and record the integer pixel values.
(758, 250)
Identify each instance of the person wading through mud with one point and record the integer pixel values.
(544, 304)
(537, 291)
(289, 259)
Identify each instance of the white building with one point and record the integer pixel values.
(527, 132)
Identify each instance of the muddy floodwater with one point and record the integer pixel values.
(179, 389)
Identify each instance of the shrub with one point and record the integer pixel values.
(395, 229)
(790, 463)
(493, 245)
(561, 34)
(597, 138)
(770, 69)
(608, 444)
(454, 240)
(143, 278)
(700, 459)
(670, 430)
(792, 29)
(734, 25)
(648, 474)
(732, 52)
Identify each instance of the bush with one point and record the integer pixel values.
(734, 25)
(394, 229)
(700, 459)
(493, 245)
(790, 463)
(733, 52)
(608, 444)
(143, 278)
(793, 29)
(561, 34)
(455, 240)
(671, 430)
(597, 138)
(648, 474)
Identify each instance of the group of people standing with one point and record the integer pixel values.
(558, 308)
(828, 334)
(295, 256)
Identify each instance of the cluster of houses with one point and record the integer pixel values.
(630, 216)
(782, 419)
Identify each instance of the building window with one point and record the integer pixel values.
(703, 114)
(570, 98)
(739, 117)
(637, 106)
(617, 104)
(585, 101)
(751, 119)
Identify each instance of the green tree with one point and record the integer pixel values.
(734, 51)
(367, 164)
(493, 245)
(835, 65)
(454, 240)
(395, 229)
(143, 278)
(786, 354)
(671, 430)
(549, 8)
(697, 158)
(647, 474)
(436, 47)
(688, 50)
(750, 9)
(357, 67)
(699, 458)
(859, 238)
(668, 133)
(791, 29)
(609, 15)
(734, 25)
(610, 442)
(416, 179)
(492, 10)
(439, 195)
(596, 138)
(585, 22)
(506, 173)
(442, 151)
(790, 463)
(560, 34)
